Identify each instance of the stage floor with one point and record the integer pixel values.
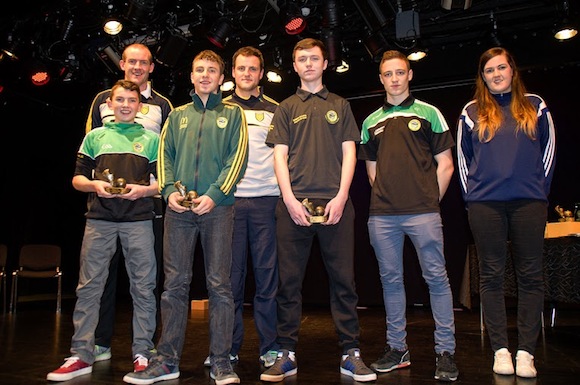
(35, 340)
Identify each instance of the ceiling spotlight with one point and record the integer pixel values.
(343, 67)
(417, 52)
(112, 26)
(227, 86)
(416, 55)
(376, 44)
(141, 11)
(565, 29)
(273, 77)
(565, 33)
(39, 75)
(10, 51)
(292, 18)
(170, 51)
(219, 33)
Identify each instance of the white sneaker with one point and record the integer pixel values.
(502, 362)
(525, 365)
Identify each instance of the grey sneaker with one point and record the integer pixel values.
(222, 372)
(284, 366)
(391, 359)
(154, 372)
(446, 370)
(233, 360)
(352, 365)
(102, 353)
(269, 358)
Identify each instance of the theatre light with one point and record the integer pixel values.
(219, 33)
(273, 77)
(141, 12)
(227, 86)
(417, 53)
(292, 18)
(39, 75)
(565, 29)
(170, 51)
(112, 24)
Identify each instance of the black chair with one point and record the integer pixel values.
(37, 261)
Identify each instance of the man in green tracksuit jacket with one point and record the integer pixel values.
(204, 145)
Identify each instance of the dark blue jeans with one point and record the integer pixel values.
(493, 224)
(255, 230)
(179, 240)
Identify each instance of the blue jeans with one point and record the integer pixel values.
(179, 240)
(522, 222)
(255, 227)
(387, 236)
(99, 246)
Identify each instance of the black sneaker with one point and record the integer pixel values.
(392, 359)
(446, 370)
(352, 365)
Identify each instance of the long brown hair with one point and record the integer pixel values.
(489, 114)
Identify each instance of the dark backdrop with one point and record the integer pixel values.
(41, 134)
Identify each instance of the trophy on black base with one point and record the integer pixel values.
(118, 186)
(188, 196)
(317, 213)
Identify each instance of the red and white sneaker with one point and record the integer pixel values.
(72, 367)
(140, 363)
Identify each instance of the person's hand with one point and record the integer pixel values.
(135, 192)
(202, 205)
(334, 209)
(298, 213)
(100, 189)
(174, 202)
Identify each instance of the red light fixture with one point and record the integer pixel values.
(292, 18)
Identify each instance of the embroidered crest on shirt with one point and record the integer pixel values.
(222, 122)
(259, 116)
(145, 109)
(137, 147)
(331, 117)
(414, 125)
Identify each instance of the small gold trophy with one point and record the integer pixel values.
(317, 213)
(188, 196)
(118, 186)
